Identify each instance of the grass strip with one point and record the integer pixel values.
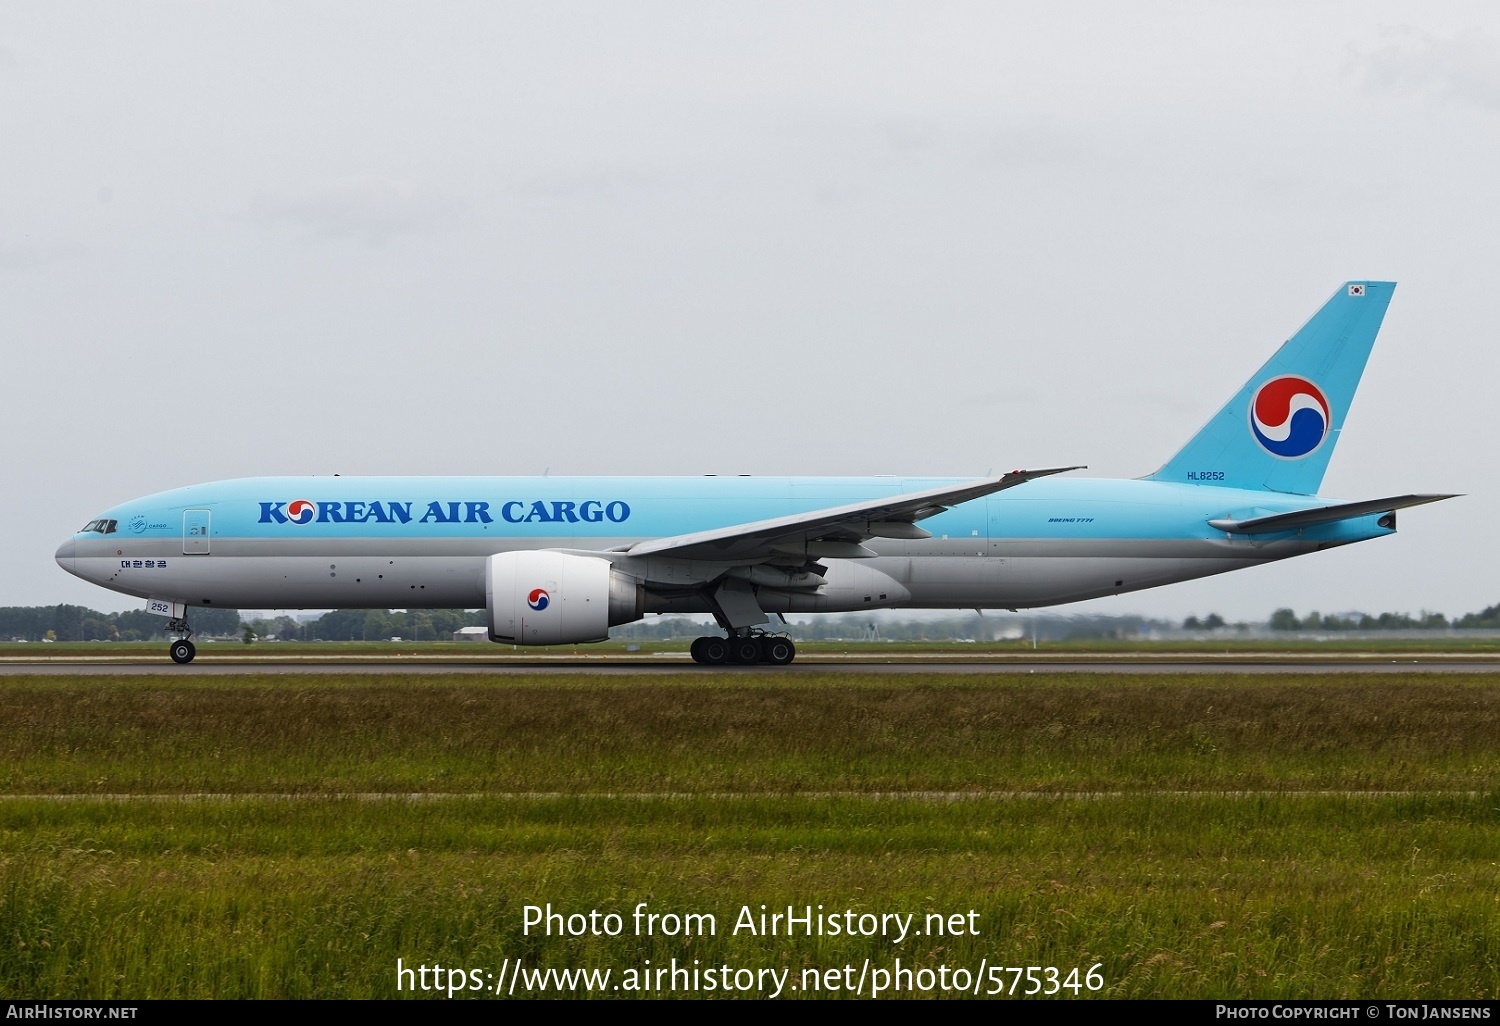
(774, 734)
(1188, 896)
(1181, 838)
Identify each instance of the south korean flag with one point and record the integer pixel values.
(1356, 290)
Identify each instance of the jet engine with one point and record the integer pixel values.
(557, 598)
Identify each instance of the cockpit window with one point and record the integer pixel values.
(100, 527)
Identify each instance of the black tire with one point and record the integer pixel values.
(778, 651)
(745, 650)
(715, 651)
(696, 650)
(182, 651)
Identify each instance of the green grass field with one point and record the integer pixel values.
(293, 836)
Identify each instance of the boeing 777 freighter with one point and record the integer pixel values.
(560, 560)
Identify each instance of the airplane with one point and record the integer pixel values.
(561, 560)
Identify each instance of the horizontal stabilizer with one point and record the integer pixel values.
(1322, 514)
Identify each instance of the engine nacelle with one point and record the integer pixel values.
(556, 598)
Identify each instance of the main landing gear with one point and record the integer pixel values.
(182, 650)
(744, 647)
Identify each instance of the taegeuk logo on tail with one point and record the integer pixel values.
(1289, 417)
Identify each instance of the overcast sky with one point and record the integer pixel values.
(686, 238)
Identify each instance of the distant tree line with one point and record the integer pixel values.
(1287, 620)
(364, 625)
(380, 624)
(864, 627)
(1211, 622)
(79, 623)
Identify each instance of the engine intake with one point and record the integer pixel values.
(557, 598)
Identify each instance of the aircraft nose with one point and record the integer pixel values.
(65, 553)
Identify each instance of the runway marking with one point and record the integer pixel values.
(1341, 664)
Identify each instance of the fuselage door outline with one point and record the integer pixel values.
(197, 527)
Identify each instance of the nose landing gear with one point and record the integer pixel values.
(182, 650)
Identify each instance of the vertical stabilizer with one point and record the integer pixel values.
(1279, 430)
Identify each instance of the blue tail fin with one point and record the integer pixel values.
(1278, 432)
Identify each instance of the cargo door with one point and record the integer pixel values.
(196, 528)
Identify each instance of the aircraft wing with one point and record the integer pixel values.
(1322, 514)
(832, 532)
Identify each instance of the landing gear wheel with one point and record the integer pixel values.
(744, 650)
(777, 651)
(710, 651)
(181, 649)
